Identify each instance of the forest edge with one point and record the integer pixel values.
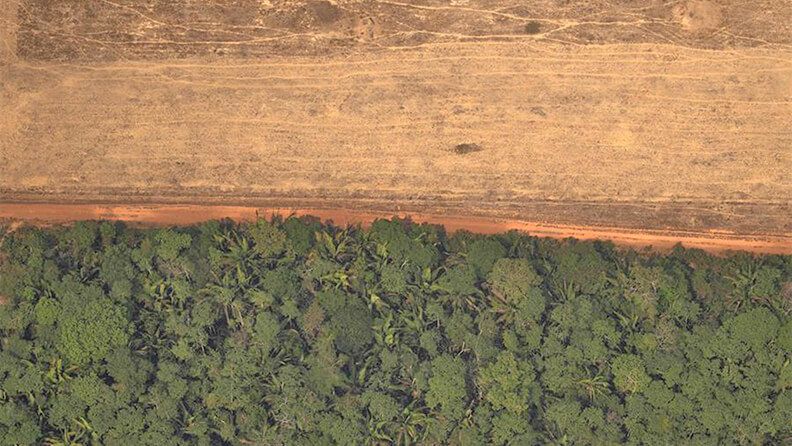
(715, 242)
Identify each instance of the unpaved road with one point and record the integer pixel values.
(673, 117)
(157, 215)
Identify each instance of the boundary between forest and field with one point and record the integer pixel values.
(177, 215)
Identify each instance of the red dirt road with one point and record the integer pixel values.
(712, 241)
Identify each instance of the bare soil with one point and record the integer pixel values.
(180, 215)
(652, 116)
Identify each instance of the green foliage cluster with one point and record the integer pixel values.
(294, 332)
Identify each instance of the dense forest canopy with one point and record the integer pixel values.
(294, 332)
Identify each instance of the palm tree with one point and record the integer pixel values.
(411, 425)
(594, 386)
(82, 434)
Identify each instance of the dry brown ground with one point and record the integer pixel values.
(667, 117)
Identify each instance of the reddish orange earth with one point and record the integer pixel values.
(191, 214)
(645, 121)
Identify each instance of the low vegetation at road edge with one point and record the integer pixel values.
(295, 332)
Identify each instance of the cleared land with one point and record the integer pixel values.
(662, 117)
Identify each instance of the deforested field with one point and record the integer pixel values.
(644, 115)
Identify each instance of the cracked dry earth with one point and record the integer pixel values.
(645, 115)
